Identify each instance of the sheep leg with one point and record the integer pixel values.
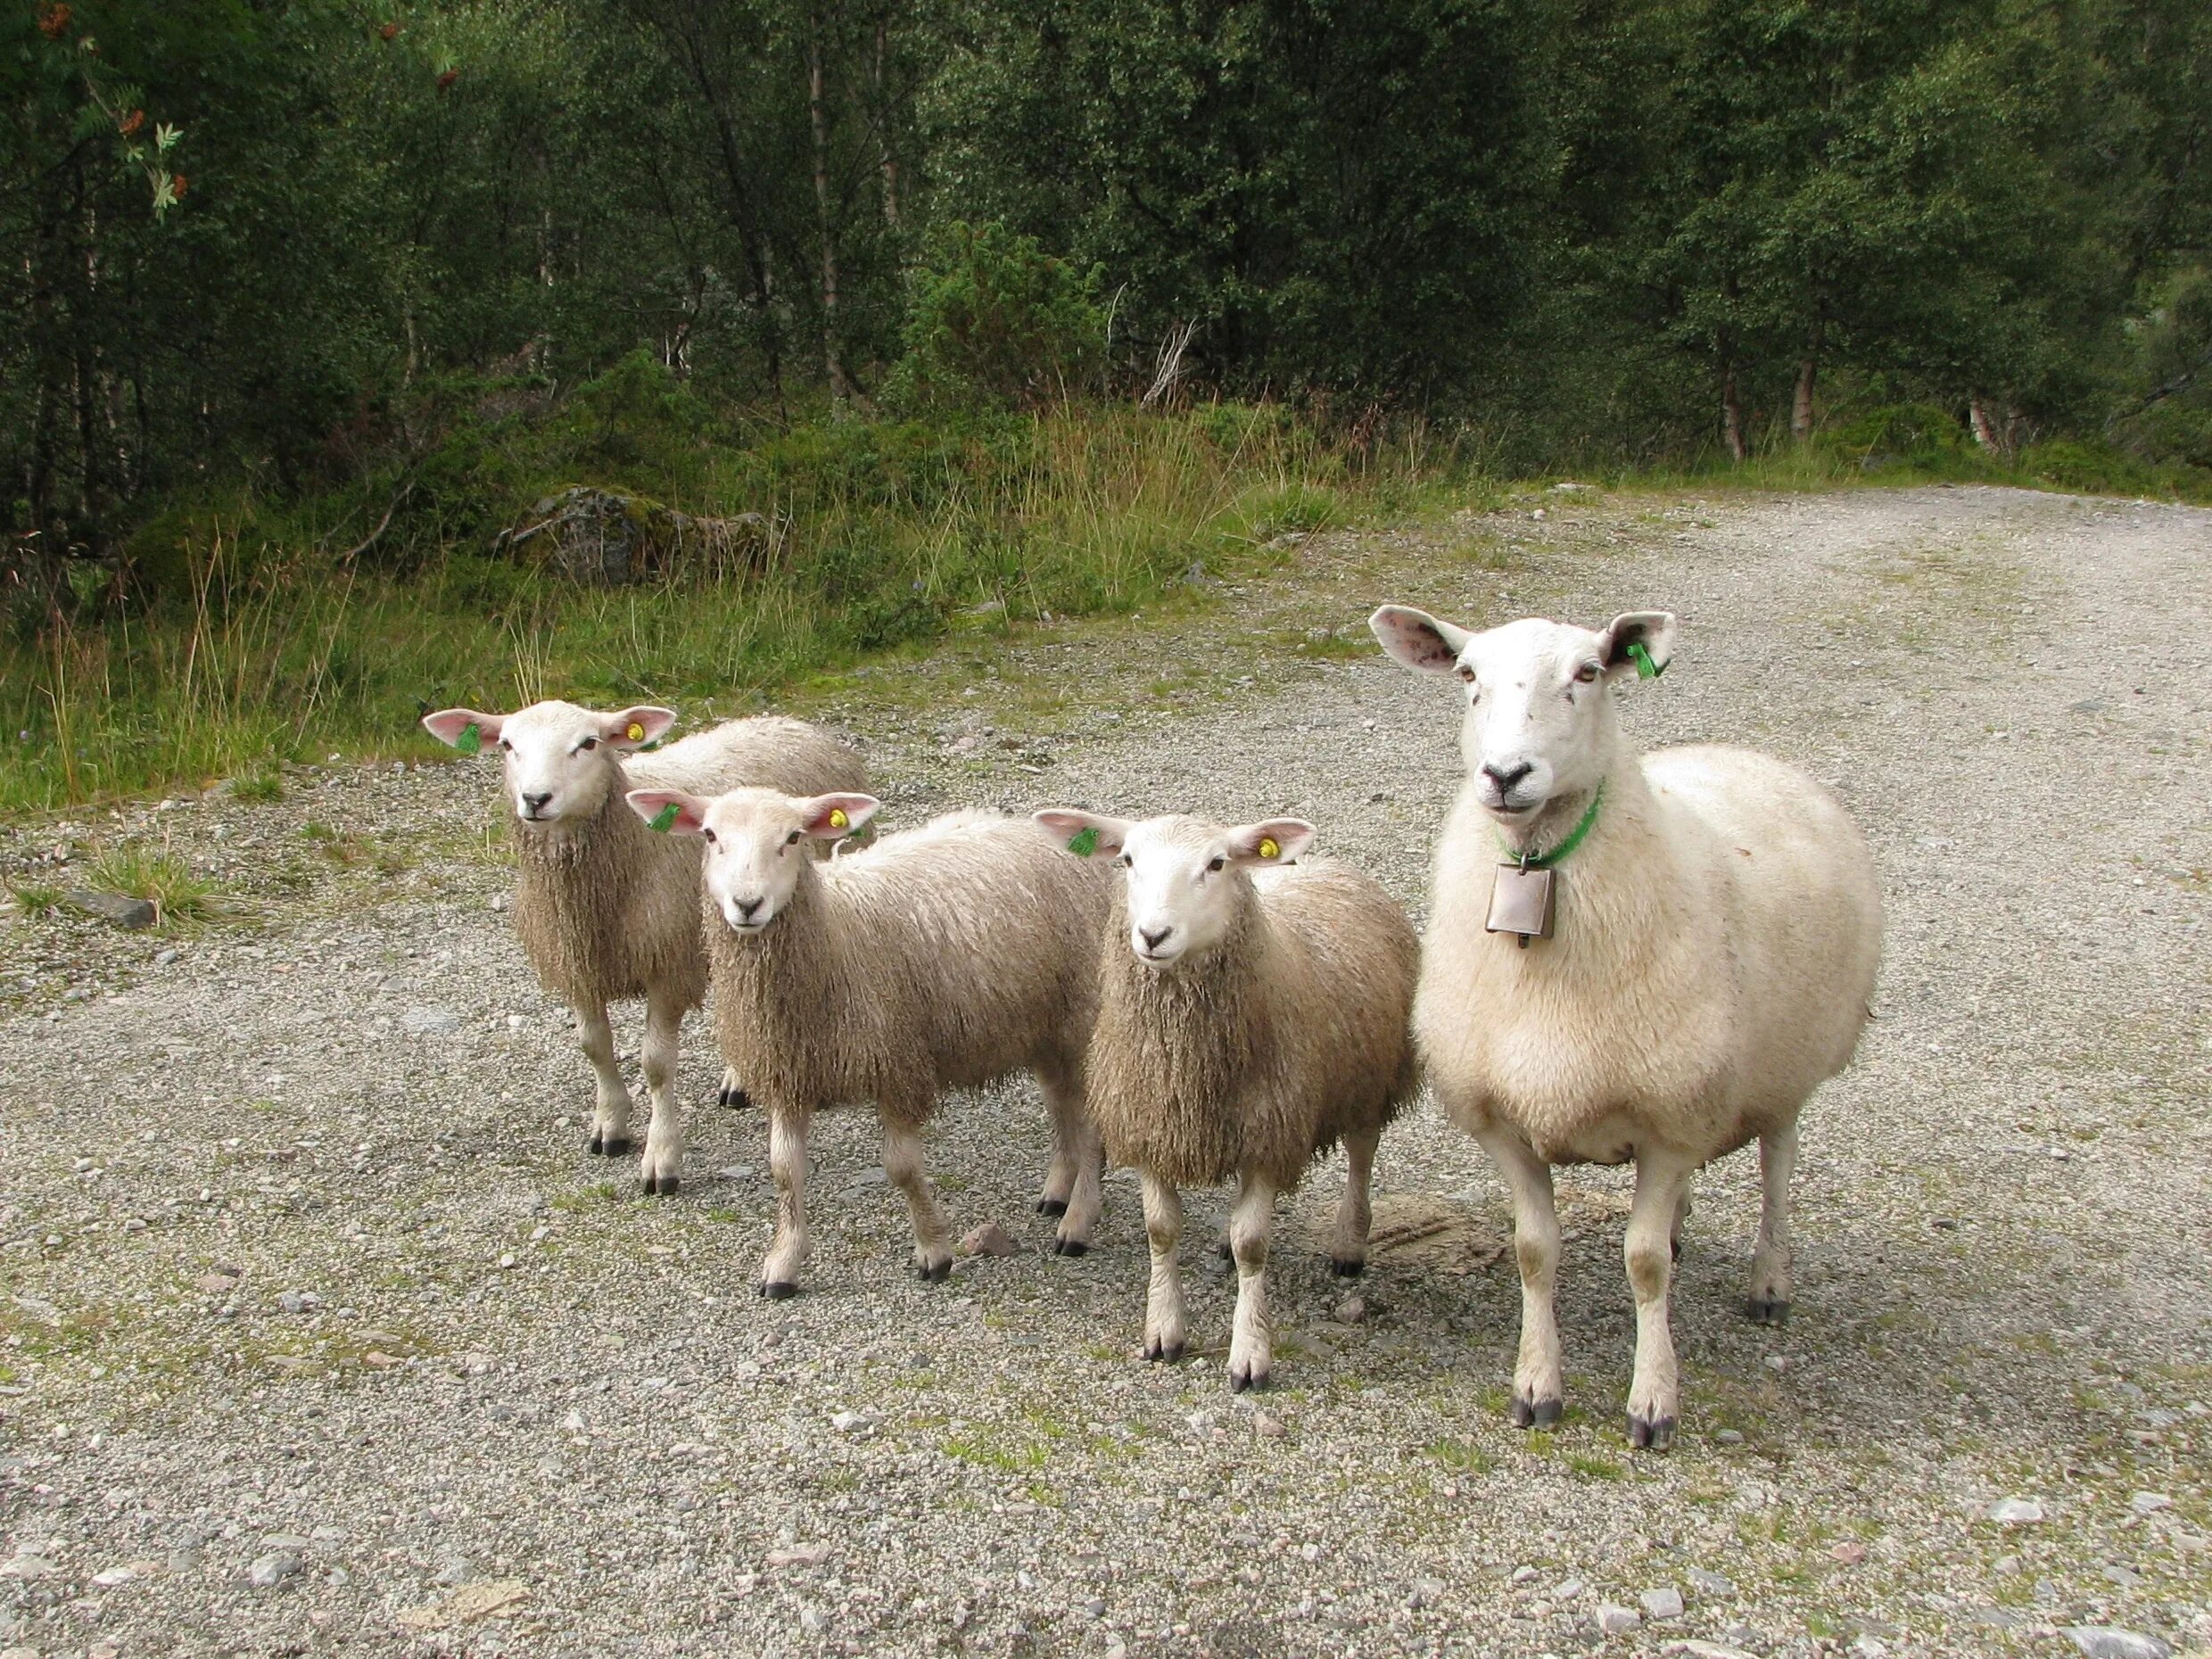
(787, 1162)
(610, 1118)
(1251, 1353)
(903, 1162)
(1769, 1302)
(662, 1166)
(1348, 1254)
(1071, 1185)
(1537, 1398)
(1655, 1392)
(1163, 1298)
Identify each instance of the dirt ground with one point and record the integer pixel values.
(320, 1332)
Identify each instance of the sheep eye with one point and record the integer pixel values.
(1466, 673)
(1124, 862)
(1216, 862)
(709, 834)
(506, 746)
(1586, 674)
(793, 839)
(588, 743)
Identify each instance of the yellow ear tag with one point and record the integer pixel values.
(1267, 847)
(837, 819)
(636, 733)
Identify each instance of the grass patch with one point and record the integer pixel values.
(1596, 1468)
(34, 898)
(1460, 1456)
(163, 880)
(259, 788)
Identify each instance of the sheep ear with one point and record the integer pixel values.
(1277, 841)
(465, 729)
(833, 817)
(632, 728)
(1419, 641)
(1086, 835)
(670, 811)
(1640, 643)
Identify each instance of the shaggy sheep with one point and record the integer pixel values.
(607, 909)
(946, 956)
(1706, 965)
(1252, 1014)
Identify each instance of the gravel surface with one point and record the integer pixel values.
(319, 1331)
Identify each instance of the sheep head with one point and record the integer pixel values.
(560, 760)
(757, 842)
(1186, 877)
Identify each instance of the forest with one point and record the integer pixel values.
(856, 314)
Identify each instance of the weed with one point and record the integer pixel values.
(1596, 1468)
(1460, 1456)
(259, 788)
(34, 898)
(163, 880)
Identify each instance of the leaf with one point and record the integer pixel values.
(165, 136)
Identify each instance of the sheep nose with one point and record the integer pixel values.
(745, 907)
(1154, 938)
(1506, 777)
(532, 804)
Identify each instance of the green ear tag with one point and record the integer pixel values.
(1641, 654)
(664, 820)
(471, 740)
(1084, 841)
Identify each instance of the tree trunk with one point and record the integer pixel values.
(886, 162)
(1731, 414)
(1977, 416)
(1801, 406)
(840, 388)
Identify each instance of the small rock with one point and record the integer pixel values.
(849, 1423)
(108, 1578)
(2108, 1642)
(2017, 1510)
(1352, 1310)
(798, 1556)
(1568, 1589)
(1615, 1619)
(1849, 1553)
(1704, 1650)
(275, 1568)
(1664, 1603)
(1426, 1593)
(429, 1021)
(162, 958)
(291, 1301)
(1267, 1425)
(117, 909)
(2149, 1503)
(1727, 1437)
(285, 1540)
(453, 1569)
(1523, 1575)
(215, 1284)
(990, 1239)
(28, 1566)
(1711, 1583)
(1869, 1646)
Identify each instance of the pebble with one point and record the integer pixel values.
(1615, 1619)
(162, 958)
(273, 1569)
(429, 1021)
(1727, 1437)
(2149, 1503)
(2017, 1510)
(849, 1423)
(1267, 1425)
(1847, 1552)
(1352, 1310)
(990, 1239)
(1664, 1603)
(2108, 1642)
(1869, 1646)
(1706, 1583)
(1524, 1575)
(1568, 1589)
(453, 1569)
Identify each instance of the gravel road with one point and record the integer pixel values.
(320, 1332)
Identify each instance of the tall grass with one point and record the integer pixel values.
(262, 650)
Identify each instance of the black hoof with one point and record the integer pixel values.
(1070, 1247)
(660, 1187)
(1650, 1434)
(777, 1289)
(1052, 1206)
(606, 1145)
(1346, 1269)
(736, 1098)
(1164, 1356)
(1534, 1414)
(936, 1274)
(1760, 1310)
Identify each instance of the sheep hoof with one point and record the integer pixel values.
(1651, 1433)
(1070, 1247)
(933, 1273)
(600, 1144)
(1163, 1353)
(1241, 1381)
(737, 1098)
(1224, 1250)
(1535, 1413)
(1346, 1269)
(777, 1289)
(660, 1187)
(1052, 1206)
(1767, 1310)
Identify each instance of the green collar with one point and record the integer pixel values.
(1545, 861)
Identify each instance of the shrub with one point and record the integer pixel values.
(993, 319)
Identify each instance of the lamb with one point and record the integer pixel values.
(1707, 964)
(607, 909)
(945, 956)
(1253, 1012)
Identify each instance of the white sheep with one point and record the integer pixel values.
(1716, 933)
(945, 956)
(1253, 1012)
(605, 908)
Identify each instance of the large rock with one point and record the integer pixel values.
(119, 908)
(604, 538)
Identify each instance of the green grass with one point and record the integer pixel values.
(34, 898)
(163, 880)
(250, 646)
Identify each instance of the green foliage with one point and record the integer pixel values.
(994, 320)
(1920, 434)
